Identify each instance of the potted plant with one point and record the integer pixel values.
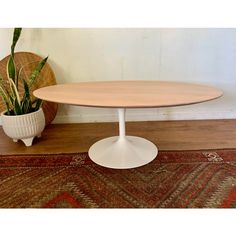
(23, 118)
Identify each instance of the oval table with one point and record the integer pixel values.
(123, 152)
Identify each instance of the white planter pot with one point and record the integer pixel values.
(24, 127)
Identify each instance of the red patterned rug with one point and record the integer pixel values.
(176, 179)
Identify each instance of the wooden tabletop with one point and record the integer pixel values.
(130, 94)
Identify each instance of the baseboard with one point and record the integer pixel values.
(85, 118)
(143, 116)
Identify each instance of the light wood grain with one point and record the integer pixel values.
(167, 135)
(129, 94)
(28, 62)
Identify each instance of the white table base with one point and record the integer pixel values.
(123, 152)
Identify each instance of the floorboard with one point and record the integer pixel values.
(167, 135)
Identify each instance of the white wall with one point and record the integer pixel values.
(205, 56)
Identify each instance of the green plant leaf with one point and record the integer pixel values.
(26, 88)
(5, 99)
(16, 36)
(38, 104)
(9, 91)
(37, 71)
(17, 108)
(18, 76)
(11, 98)
(14, 90)
(5, 94)
(26, 104)
(11, 69)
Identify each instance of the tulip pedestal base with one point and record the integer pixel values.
(123, 152)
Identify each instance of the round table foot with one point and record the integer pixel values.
(123, 153)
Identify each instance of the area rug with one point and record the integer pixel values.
(175, 179)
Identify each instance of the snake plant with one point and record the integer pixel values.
(16, 104)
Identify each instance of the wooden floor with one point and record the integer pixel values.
(167, 135)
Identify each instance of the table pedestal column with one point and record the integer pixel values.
(123, 152)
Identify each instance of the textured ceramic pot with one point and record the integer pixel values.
(24, 127)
